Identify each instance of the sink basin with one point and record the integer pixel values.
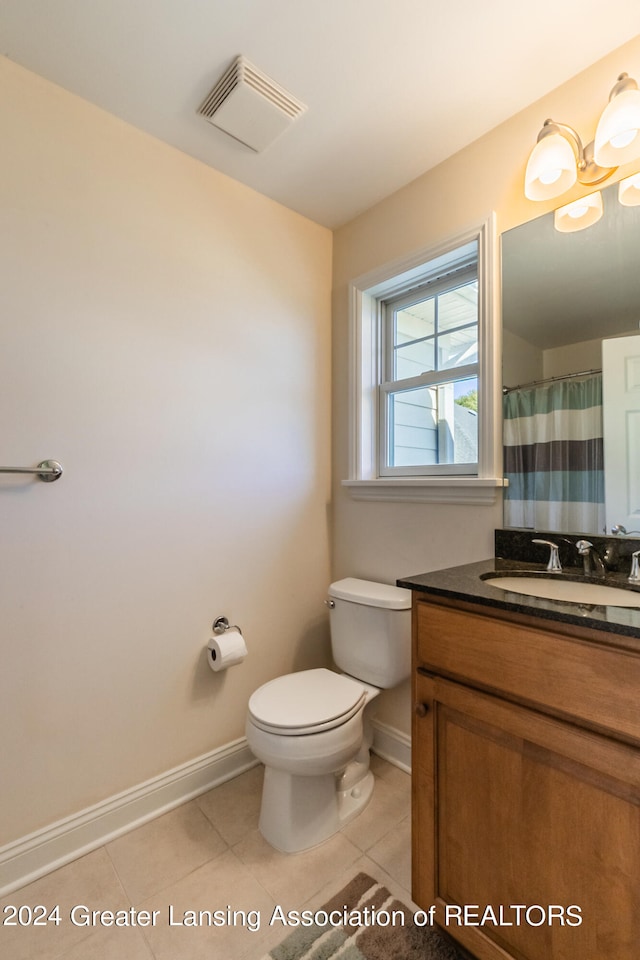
(569, 591)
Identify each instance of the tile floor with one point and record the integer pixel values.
(209, 855)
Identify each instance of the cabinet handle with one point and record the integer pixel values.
(421, 709)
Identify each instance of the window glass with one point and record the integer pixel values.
(458, 348)
(428, 335)
(458, 307)
(434, 425)
(416, 321)
(414, 358)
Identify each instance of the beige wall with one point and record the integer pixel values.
(386, 540)
(586, 355)
(165, 334)
(521, 361)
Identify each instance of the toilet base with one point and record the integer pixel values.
(353, 801)
(300, 812)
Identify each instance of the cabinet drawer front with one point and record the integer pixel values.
(565, 676)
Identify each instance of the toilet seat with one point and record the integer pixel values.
(307, 702)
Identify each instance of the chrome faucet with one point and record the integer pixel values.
(634, 576)
(553, 565)
(593, 565)
(620, 531)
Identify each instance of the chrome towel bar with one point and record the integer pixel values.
(47, 470)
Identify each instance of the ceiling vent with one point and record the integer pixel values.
(249, 106)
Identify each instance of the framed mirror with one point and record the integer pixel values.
(562, 294)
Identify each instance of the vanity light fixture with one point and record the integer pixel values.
(629, 191)
(557, 161)
(559, 158)
(578, 215)
(618, 134)
(552, 166)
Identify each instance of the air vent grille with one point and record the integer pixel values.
(249, 106)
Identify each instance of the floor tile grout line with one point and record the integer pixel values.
(225, 821)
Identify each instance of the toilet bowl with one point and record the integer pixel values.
(317, 774)
(312, 729)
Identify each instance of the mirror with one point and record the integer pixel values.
(562, 293)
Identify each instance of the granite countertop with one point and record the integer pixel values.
(465, 583)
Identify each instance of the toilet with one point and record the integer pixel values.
(312, 730)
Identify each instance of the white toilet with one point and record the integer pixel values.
(312, 730)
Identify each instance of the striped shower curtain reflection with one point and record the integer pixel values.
(553, 456)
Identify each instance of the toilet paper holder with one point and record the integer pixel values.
(221, 625)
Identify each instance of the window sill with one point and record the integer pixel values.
(481, 491)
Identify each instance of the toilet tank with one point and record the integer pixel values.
(371, 631)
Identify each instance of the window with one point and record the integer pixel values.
(425, 397)
(428, 394)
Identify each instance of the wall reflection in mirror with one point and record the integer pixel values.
(572, 443)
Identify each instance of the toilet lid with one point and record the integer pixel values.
(306, 702)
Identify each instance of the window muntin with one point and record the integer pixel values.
(429, 340)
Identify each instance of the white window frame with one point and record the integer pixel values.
(365, 296)
(431, 378)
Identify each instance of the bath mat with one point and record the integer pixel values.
(375, 926)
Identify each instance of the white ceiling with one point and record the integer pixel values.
(393, 87)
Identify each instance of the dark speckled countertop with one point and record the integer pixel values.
(466, 583)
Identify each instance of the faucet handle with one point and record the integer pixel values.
(583, 546)
(553, 565)
(634, 576)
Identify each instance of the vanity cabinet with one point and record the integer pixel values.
(526, 783)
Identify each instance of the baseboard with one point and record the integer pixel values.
(33, 856)
(30, 857)
(392, 744)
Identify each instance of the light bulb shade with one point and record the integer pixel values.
(579, 214)
(618, 135)
(629, 191)
(551, 169)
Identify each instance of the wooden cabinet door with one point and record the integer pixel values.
(528, 816)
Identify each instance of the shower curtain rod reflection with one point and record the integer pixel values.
(537, 383)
